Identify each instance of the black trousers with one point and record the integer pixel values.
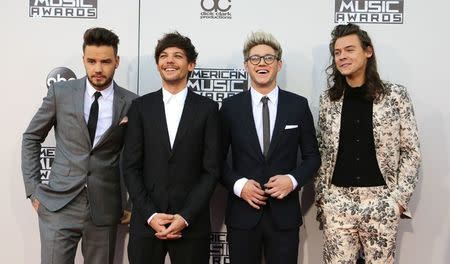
(279, 246)
(185, 250)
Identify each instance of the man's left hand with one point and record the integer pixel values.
(173, 231)
(401, 209)
(279, 186)
(126, 217)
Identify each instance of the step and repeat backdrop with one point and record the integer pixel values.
(41, 41)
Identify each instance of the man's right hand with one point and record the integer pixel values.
(253, 194)
(159, 222)
(35, 202)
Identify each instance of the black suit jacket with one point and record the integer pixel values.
(178, 180)
(239, 132)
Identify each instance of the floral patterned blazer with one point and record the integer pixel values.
(396, 144)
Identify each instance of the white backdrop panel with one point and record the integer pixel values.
(413, 53)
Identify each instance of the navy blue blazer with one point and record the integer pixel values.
(239, 133)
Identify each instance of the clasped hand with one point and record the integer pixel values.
(168, 226)
(278, 186)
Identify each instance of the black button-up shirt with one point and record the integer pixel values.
(356, 163)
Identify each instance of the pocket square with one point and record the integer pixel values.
(290, 126)
(124, 121)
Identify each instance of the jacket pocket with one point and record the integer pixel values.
(59, 169)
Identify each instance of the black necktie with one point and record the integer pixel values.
(93, 117)
(266, 125)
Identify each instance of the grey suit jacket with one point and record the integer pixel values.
(76, 163)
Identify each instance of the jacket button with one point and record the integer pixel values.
(88, 173)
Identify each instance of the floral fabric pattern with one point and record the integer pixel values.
(356, 217)
(396, 144)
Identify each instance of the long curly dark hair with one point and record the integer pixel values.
(336, 81)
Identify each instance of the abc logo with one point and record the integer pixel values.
(60, 74)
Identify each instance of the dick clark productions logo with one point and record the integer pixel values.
(215, 9)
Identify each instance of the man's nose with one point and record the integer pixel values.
(98, 67)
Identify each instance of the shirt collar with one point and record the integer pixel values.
(105, 93)
(256, 96)
(359, 91)
(174, 98)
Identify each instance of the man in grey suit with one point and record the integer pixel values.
(82, 199)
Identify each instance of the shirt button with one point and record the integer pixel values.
(357, 140)
(357, 158)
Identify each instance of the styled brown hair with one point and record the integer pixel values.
(100, 37)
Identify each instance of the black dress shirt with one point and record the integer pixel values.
(356, 163)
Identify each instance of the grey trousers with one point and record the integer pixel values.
(61, 231)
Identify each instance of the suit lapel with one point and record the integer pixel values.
(377, 115)
(249, 122)
(336, 124)
(118, 106)
(78, 102)
(280, 120)
(187, 117)
(160, 120)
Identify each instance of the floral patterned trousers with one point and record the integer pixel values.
(359, 217)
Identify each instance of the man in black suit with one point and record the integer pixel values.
(265, 127)
(172, 162)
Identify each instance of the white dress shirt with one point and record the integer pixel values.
(257, 105)
(105, 108)
(173, 108)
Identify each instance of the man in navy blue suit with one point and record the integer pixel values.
(265, 128)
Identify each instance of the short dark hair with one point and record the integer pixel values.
(100, 37)
(175, 39)
(337, 82)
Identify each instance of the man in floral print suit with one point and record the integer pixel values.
(370, 153)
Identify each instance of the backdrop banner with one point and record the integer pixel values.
(42, 44)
